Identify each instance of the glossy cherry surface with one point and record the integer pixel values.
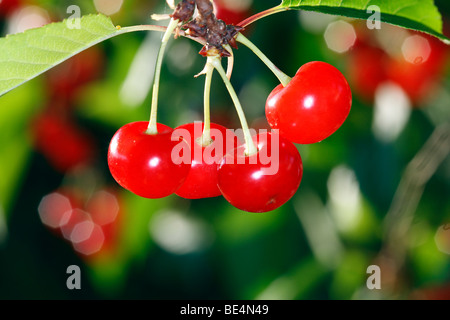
(312, 106)
(264, 181)
(201, 181)
(144, 164)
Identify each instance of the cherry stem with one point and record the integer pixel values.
(250, 145)
(261, 15)
(149, 27)
(284, 79)
(206, 136)
(230, 61)
(152, 126)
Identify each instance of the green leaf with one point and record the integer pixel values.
(417, 15)
(26, 55)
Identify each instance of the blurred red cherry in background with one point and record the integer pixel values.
(63, 144)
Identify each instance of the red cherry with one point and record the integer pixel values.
(367, 70)
(420, 65)
(312, 106)
(105, 208)
(8, 6)
(231, 15)
(87, 238)
(92, 229)
(202, 179)
(55, 209)
(66, 80)
(71, 219)
(264, 181)
(142, 163)
(63, 144)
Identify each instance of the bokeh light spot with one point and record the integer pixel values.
(93, 244)
(82, 231)
(345, 197)
(179, 234)
(340, 36)
(26, 18)
(103, 208)
(108, 7)
(416, 49)
(392, 112)
(53, 208)
(72, 219)
(442, 239)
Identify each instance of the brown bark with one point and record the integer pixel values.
(184, 10)
(215, 32)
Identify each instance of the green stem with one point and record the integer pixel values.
(143, 27)
(284, 79)
(206, 136)
(250, 145)
(152, 126)
(230, 60)
(148, 27)
(261, 15)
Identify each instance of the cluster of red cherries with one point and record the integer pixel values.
(414, 61)
(309, 109)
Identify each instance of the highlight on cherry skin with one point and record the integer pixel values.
(264, 181)
(312, 106)
(142, 163)
(206, 156)
(180, 161)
